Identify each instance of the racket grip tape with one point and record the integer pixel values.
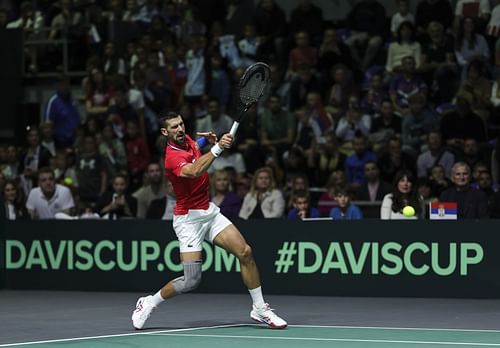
(234, 128)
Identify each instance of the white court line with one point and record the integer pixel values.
(334, 339)
(237, 325)
(117, 335)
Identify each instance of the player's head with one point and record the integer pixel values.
(172, 126)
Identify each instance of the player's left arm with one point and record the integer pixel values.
(200, 166)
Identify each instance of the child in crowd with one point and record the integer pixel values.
(301, 208)
(345, 209)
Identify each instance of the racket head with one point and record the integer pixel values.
(253, 83)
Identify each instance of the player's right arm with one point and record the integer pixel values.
(200, 166)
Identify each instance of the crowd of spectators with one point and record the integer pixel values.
(401, 108)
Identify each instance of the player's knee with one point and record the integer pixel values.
(191, 278)
(192, 283)
(245, 254)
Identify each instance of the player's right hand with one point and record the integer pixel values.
(226, 141)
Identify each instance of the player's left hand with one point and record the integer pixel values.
(210, 136)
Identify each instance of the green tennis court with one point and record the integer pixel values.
(248, 335)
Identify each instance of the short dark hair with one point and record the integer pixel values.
(167, 116)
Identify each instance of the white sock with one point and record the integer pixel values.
(257, 298)
(157, 299)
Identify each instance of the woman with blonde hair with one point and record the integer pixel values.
(264, 200)
(223, 195)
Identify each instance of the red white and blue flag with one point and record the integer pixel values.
(443, 211)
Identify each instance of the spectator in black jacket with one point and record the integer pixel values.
(374, 189)
(117, 203)
(472, 204)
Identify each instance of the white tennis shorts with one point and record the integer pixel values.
(198, 225)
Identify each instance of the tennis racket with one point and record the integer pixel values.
(251, 87)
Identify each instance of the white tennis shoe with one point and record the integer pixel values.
(266, 315)
(142, 312)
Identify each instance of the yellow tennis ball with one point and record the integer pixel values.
(68, 181)
(408, 211)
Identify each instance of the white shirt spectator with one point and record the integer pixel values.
(386, 212)
(493, 28)
(234, 160)
(47, 209)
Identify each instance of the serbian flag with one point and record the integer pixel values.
(443, 211)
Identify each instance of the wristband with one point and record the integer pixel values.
(216, 150)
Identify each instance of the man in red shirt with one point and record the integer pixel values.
(196, 219)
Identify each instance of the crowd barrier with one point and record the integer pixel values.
(328, 258)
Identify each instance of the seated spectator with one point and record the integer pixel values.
(121, 111)
(48, 198)
(112, 62)
(478, 84)
(63, 113)
(91, 172)
(495, 206)
(433, 11)
(303, 53)
(462, 123)
(248, 46)
(438, 180)
(314, 106)
(374, 189)
(403, 15)
(304, 83)
(477, 11)
(354, 164)
(271, 26)
(327, 200)
(352, 123)
(264, 200)
(47, 137)
(277, 126)
(346, 210)
(472, 204)
(376, 95)
(163, 208)
(405, 85)
(306, 16)
(117, 203)
(219, 82)
(341, 86)
(417, 123)
(112, 150)
(152, 188)
(333, 51)
(215, 120)
(404, 46)
(98, 98)
(223, 195)
(394, 159)
(138, 156)
(436, 154)
(230, 158)
(385, 125)
(470, 44)
(14, 201)
(471, 153)
(367, 22)
(438, 63)
(301, 207)
(325, 158)
(404, 193)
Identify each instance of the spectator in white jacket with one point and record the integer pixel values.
(264, 200)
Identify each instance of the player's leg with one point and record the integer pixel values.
(231, 240)
(190, 237)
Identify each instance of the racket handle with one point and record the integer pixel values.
(202, 142)
(234, 128)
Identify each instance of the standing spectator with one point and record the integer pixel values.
(62, 112)
(404, 193)
(117, 203)
(91, 172)
(48, 198)
(472, 204)
(14, 201)
(346, 210)
(374, 189)
(138, 156)
(154, 187)
(435, 155)
(367, 22)
(301, 207)
(47, 137)
(264, 200)
(223, 195)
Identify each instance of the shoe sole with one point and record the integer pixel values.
(274, 327)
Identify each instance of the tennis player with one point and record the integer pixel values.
(196, 219)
